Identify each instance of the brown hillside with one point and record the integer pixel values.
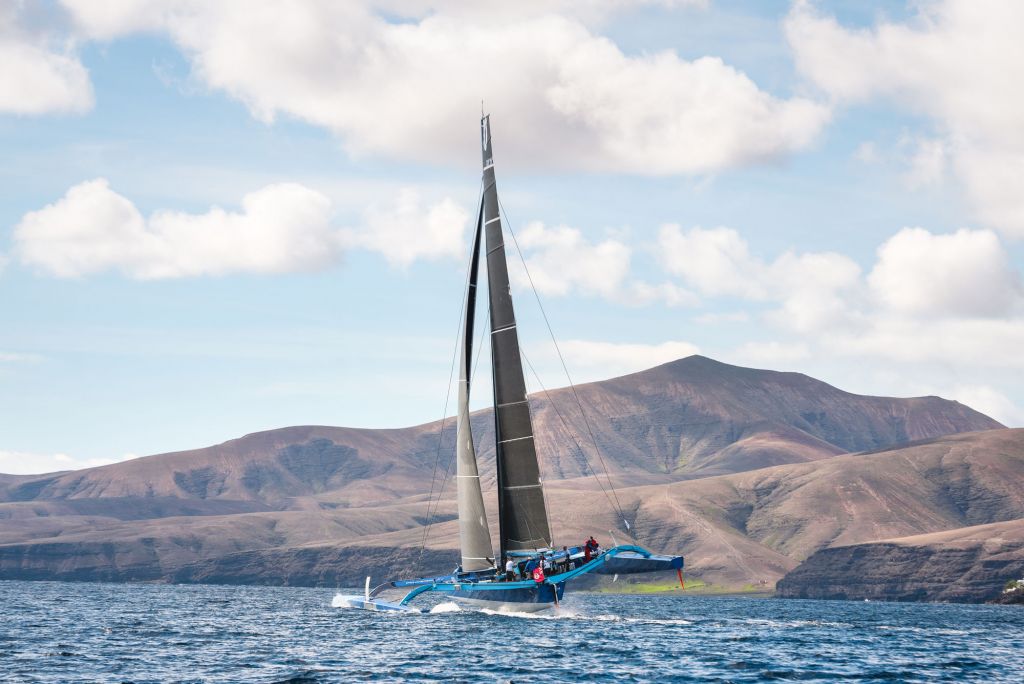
(735, 529)
(687, 419)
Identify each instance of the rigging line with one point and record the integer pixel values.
(572, 436)
(561, 359)
(447, 398)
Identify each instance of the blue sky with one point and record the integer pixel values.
(215, 221)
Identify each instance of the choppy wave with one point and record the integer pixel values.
(58, 632)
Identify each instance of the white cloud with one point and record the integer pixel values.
(963, 342)
(280, 228)
(638, 293)
(770, 352)
(989, 401)
(39, 75)
(953, 299)
(608, 358)
(867, 153)
(719, 317)
(561, 94)
(927, 164)
(716, 261)
(812, 287)
(960, 63)
(816, 288)
(966, 273)
(16, 357)
(26, 463)
(561, 260)
(409, 230)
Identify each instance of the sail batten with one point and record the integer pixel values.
(474, 534)
(522, 515)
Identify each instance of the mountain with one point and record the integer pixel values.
(686, 445)
(735, 529)
(691, 418)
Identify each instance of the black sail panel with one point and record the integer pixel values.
(523, 519)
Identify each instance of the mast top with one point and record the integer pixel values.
(485, 141)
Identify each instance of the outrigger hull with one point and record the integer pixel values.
(377, 605)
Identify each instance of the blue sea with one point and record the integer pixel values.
(78, 632)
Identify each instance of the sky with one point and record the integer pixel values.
(219, 218)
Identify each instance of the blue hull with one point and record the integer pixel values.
(536, 597)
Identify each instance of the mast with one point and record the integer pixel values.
(474, 535)
(522, 517)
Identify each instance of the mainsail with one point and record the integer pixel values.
(522, 517)
(474, 536)
(523, 520)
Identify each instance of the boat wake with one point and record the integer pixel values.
(563, 613)
(446, 607)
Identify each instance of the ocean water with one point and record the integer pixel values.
(76, 632)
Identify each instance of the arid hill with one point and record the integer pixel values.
(324, 506)
(683, 420)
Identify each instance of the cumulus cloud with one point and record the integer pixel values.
(26, 463)
(970, 342)
(18, 357)
(408, 88)
(562, 261)
(929, 298)
(607, 358)
(811, 287)
(409, 230)
(639, 293)
(281, 228)
(39, 75)
(770, 352)
(958, 62)
(989, 401)
(927, 164)
(716, 261)
(966, 273)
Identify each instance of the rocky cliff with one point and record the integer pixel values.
(970, 564)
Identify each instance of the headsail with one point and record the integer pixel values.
(521, 512)
(474, 536)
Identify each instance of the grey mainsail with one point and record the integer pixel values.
(523, 519)
(474, 535)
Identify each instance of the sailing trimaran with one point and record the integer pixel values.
(524, 532)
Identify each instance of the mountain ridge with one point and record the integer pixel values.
(726, 464)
